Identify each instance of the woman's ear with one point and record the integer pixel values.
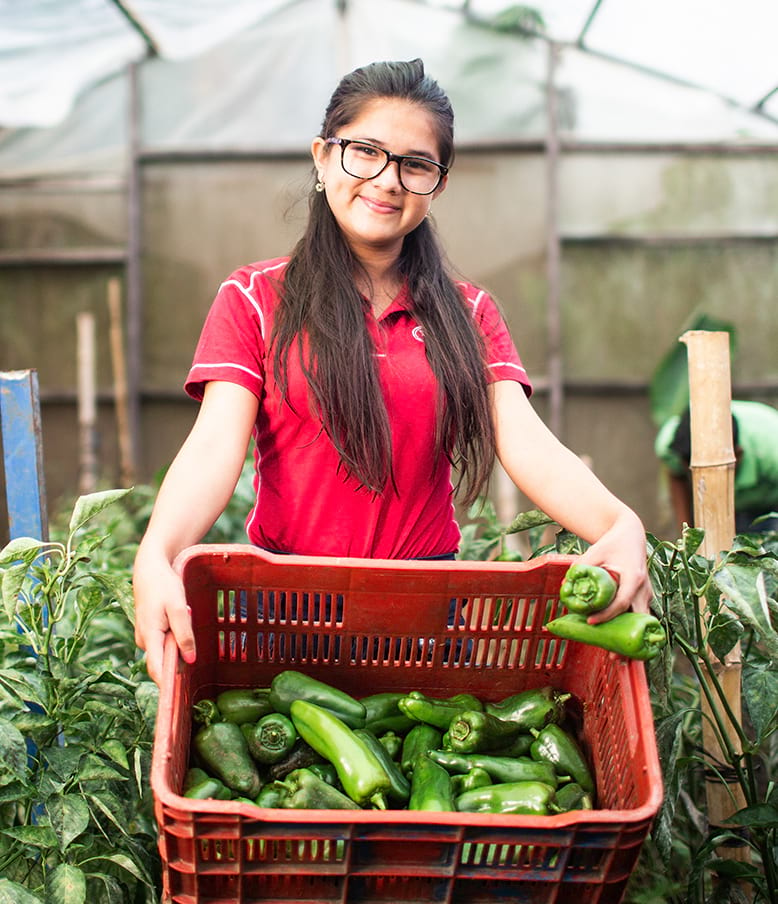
(318, 152)
(439, 190)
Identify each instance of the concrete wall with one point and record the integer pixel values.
(647, 240)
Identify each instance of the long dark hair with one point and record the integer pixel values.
(319, 300)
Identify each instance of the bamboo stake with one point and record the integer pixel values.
(713, 484)
(87, 401)
(121, 391)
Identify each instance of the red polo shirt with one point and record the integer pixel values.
(305, 503)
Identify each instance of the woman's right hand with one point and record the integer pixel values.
(160, 607)
(197, 487)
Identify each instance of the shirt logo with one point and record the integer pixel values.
(418, 334)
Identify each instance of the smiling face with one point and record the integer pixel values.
(376, 214)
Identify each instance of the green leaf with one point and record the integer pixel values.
(35, 836)
(733, 869)
(111, 807)
(528, 520)
(112, 890)
(92, 768)
(119, 589)
(760, 695)
(26, 686)
(692, 540)
(69, 817)
(13, 581)
(483, 507)
(65, 884)
(26, 548)
(147, 698)
(12, 893)
(123, 862)
(760, 815)
(89, 506)
(744, 591)
(64, 762)
(31, 722)
(13, 752)
(13, 791)
(115, 750)
(724, 632)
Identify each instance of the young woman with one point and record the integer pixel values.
(366, 376)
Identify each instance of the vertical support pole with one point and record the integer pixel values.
(87, 401)
(25, 484)
(134, 274)
(553, 251)
(119, 364)
(713, 487)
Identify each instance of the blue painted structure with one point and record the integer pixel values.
(20, 422)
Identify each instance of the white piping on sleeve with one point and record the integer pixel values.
(248, 290)
(507, 364)
(218, 364)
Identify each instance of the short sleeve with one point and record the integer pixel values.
(232, 344)
(502, 358)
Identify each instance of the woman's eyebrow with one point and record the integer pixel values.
(411, 153)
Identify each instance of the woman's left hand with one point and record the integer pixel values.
(622, 550)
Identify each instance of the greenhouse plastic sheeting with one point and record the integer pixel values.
(257, 77)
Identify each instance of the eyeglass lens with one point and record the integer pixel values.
(365, 161)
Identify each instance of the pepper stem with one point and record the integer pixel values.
(378, 801)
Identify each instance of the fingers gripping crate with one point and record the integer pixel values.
(368, 626)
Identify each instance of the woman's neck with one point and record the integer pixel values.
(379, 282)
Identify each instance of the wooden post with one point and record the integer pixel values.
(713, 487)
(87, 401)
(121, 391)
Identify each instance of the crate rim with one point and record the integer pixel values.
(173, 665)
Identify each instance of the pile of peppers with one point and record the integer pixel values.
(587, 589)
(304, 744)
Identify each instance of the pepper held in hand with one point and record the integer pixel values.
(637, 635)
(587, 588)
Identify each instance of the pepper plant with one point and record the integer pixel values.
(706, 608)
(76, 723)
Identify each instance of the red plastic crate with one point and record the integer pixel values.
(374, 625)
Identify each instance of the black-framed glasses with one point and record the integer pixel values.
(363, 160)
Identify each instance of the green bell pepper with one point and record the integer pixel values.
(392, 743)
(532, 708)
(400, 787)
(475, 778)
(222, 747)
(573, 797)
(431, 787)
(587, 588)
(525, 798)
(501, 769)
(242, 705)
(288, 686)
(471, 732)
(636, 635)
(361, 773)
(272, 794)
(382, 713)
(306, 791)
(558, 747)
(271, 738)
(207, 789)
(436, 711)
(420, 740)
